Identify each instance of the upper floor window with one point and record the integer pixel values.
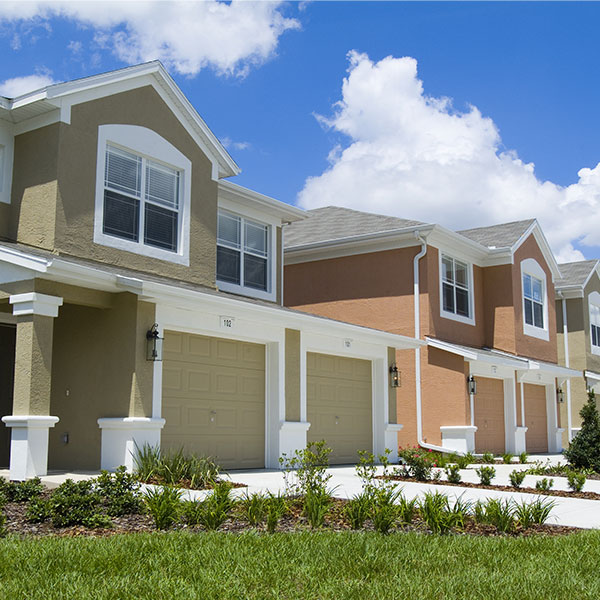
(142, 201)
(456, 289)
(594, 305)
(535, 302)
(243, 254)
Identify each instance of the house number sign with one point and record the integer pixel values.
(227, 322)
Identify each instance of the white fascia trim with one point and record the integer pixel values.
(130, 423)
(473, 356)
(27, 261)
(285, 213)
(544, 246)
(569, 292)
(592, 375)
(555, 370)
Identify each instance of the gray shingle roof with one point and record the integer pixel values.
(334, 223)
(575, 273)
(498, 236)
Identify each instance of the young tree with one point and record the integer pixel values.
(584, 450)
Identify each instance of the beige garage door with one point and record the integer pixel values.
(214, 398)
(536, 418)
(489, 416)
(339, 405)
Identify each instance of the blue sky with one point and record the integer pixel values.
(522, 79)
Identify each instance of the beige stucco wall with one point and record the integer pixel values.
(292, 375)
(99, 370)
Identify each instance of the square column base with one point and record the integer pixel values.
(520, 440)
(121, 436)
(459, 438)
(292, 437)
(555, 444)
(29, 445)
(391, 440)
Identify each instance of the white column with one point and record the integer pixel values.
(381, 412)
(513, 442)
(275, 402)
(554, 431)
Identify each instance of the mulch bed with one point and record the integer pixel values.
(292, 521)
(499, 488)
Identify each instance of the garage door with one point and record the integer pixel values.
(339, 405)
(214, 399)
(536, 418)
(489, 416)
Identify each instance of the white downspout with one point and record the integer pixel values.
(563, 302)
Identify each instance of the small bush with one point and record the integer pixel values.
(500, 514)
(316, 505)
(541, 509)
(453, 473)
(507, 458)
(276, 508)
(216, 509)
(306, 469)
(576, 480)
(191, 512)
(461, 510)
(407, 509)
(488, 458)
(523, 458)
(358, 509)
(435, 511)
(544, 484)
(464, 461)
(254, 508)
(120, 491)
(77, 503)
(516, 478)
(584, 449)
(524, 514)
(38, 510)
(419, 462)
(486, 474)
(384, 510)
(163, 505)
(21, 491)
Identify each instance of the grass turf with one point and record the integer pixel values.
(304, 565)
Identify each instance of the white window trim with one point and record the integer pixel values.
(270, 293)
(447, 314)
(6, 162)
(593, 300)
(530, 266)
(138, 140)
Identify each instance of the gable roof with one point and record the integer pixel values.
(336, 223)
(503, 235)
(53, 103)
(576, 274)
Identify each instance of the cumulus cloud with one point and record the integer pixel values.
(17, 86)
(412, 155)
(229, 143)
(187, 36)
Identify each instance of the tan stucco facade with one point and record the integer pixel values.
(292, 375)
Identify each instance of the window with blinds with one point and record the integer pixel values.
(141, 200)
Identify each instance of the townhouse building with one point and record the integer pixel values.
(482, 302)
(141, 295)
(578, 333)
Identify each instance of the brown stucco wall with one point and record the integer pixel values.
(292, 375)
(35, 188)
(406, 408)
(374, 290)
(527, 345)
(499, 314)
(99, 370)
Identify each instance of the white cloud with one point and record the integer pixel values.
(412, 155)
(17, 86)
(187, 35)
(229, 143)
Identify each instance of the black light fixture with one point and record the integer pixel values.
(471, 385)
(153, 344)
(395, 380)
(559, 395)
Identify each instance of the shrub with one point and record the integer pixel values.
(38, 510)
(358, 509)
(523, 458)
(486, 474)
(576, 480)
(254, 508)
(461, 509)
(406, 509)
(500, 514)
(435, 511)
(524, 514)
(191, 512)
(453, 473)
(21, 491)
(384, 510)
(516, 478)
(479, 512)
(306, 469)
(163, 504)
(584, 449)
(120, 491)
(2, 524)
(464, 461)
(77, 503)
(215, 509)
(316, 505)
(544, 484)
(488, 458)
(507, 458)
(419, 462)
(541, 509)
(276, 508)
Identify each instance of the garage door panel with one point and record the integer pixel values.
(339, 405)
(214, 398)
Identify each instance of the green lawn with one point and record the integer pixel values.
(304, 565)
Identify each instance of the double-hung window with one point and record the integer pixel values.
(594, 306)
(533, 300)
(456, 289)
(243, 254)
(141, 200)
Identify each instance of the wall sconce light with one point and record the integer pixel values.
(153, 344)
(471, 385)
(395, 379)
(559, 395)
